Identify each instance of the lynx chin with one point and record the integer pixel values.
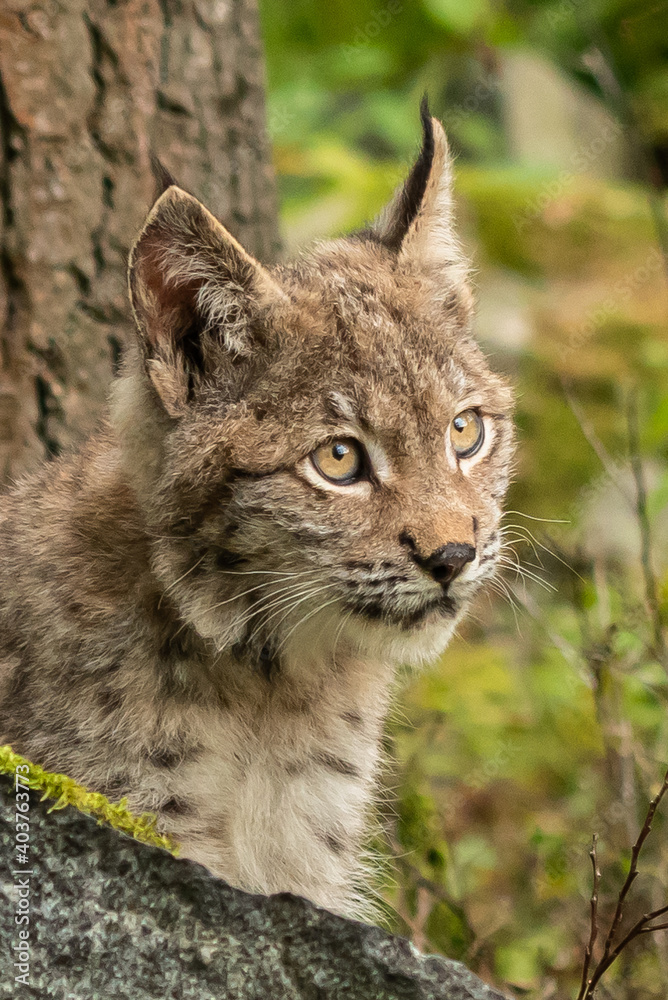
(298, 489)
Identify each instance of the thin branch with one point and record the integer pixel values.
(641, 926)
(638, 928)
(593, 934)
(600, 62)
(633, 869)
(604, 457)
(434, 888)
(651, 589)
(638, 505)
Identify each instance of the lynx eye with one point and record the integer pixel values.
(340, 461)
(467, 433)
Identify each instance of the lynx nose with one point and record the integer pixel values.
(447, 562)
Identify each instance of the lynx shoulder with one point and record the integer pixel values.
(299, 488)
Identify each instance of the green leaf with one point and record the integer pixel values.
(448, 932)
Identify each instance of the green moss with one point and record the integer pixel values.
(67, 792)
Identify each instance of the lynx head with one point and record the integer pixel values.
(321, 449)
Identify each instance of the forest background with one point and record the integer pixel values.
(546, 719)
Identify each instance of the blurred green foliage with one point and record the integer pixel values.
(546, 719)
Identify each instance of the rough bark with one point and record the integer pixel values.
(89, 89)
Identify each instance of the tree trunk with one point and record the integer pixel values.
(89, 89)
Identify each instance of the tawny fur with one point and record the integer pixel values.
(192, 617)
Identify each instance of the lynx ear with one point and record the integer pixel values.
(418, 224)
(194, 292)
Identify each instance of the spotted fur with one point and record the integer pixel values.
(190, 615)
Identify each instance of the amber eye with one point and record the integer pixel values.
(467, 433)
(340, 461)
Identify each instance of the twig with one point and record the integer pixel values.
(651, 596)
(611, 951)
(638, 928)
(433, 888)
(593, 934)
(604, 457)
(600, 62)
(638, 505)
(633, 869)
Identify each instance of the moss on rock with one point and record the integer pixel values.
(67, 792)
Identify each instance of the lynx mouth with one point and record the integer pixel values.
(406, 618)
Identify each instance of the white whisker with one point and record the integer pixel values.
(526, 574)
(501, 588)
(306, 618)
(261, 586)
(182, 577)
(285, 600)
(545, 548)
(344, 622)
(546, 520)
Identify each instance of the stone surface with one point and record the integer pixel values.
(113, 918)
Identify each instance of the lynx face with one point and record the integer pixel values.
(334, 449)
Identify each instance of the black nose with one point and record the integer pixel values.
(447, 562)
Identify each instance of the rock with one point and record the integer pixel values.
(111, 918)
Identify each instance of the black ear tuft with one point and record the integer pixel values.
(418, 225)
(162, 176)
(409, 199)
(416, 182)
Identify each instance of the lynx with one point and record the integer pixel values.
(298, 489)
